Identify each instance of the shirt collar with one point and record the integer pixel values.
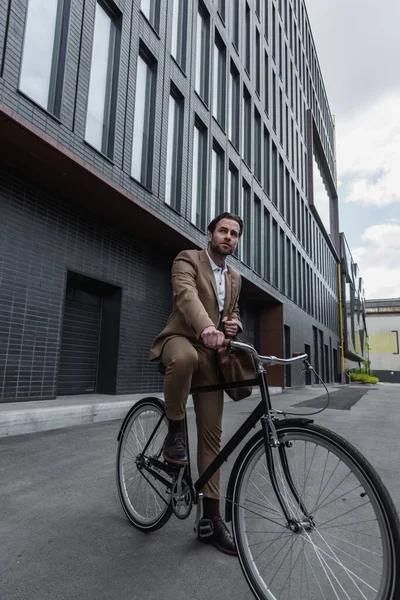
(216, 267)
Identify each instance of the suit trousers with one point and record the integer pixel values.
(190, 365)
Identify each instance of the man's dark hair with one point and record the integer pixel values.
(226, 215)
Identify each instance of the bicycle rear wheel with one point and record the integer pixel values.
(348, 550)
(145, 500)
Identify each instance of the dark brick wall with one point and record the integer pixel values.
(40, 239)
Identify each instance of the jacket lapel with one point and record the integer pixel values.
(210, 273)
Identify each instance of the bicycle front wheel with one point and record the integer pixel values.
(348, 549)
(145, 500)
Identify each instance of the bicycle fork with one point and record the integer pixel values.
(271, 441)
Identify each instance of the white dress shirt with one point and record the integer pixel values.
(219, 274)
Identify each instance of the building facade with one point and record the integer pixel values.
(125, 126)
(355, 328)
(383, 322)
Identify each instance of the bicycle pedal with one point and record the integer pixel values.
(205, 528)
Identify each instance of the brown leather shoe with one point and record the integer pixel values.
(215, 532)
(174, 447)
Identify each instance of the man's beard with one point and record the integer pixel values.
(222, 250)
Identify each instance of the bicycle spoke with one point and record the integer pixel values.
(337, 556)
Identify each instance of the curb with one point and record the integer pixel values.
(32, 417)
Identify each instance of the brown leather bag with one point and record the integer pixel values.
(237, 365)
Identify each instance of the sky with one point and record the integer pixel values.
(358, 47)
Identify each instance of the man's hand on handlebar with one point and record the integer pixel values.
(212, 338)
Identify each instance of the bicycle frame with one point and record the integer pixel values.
(263, 413)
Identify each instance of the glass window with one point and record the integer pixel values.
(247, 41)
(217, 181)
(246, 238)
(274, 195)
(266, 18)
(258, 63)
(179, 32)
(267, 159)
(43, 56)
(103, 83)
(143, 126)
(234, 106)
(275, 256)
(219, 80)
(199, 176)
(257, 145)
(173, 183)
(202, 54)
(235, 22)
(246, 129)
(151, 10)
(267, 246)
(282, 270)
(221, 9)
(257, 235)
(274, 100)
(233, 190)
(266, 83)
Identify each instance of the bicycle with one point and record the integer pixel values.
(310, 516)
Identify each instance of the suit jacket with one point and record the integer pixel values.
(195, 299)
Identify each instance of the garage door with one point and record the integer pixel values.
(79, 347)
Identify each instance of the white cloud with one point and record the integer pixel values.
(368, 151)
(378, 260)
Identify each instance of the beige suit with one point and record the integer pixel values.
(187, 361)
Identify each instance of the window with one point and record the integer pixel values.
(43, 57)
(103, 83)
(257, 144)
(274, 195)
(233, 190)
(267, 158)
(266, 18)
(275, 257)
(266, 83)
(235, 22)
(258, 63)
(257, 235)
(282, 271)
(246, 240)
(273, 24)
(221, 9)
(143, 125)
(267, 246)
(178, 43)
(246, 129)
(281, 187)
(247, 43)
(288, 268)
(234, 106)
(274, 100)
(202, 54)
(199, 180)
(173, 184)
(217, 181)
(287, 198)
(151, 10)
(219, 88)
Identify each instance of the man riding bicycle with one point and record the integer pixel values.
(205, 294)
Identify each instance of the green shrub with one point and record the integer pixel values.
(363, 378)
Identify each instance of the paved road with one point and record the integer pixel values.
(64, 536)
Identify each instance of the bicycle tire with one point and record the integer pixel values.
(138, 490)
(253, 525)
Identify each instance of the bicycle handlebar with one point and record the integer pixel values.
(269, 360)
